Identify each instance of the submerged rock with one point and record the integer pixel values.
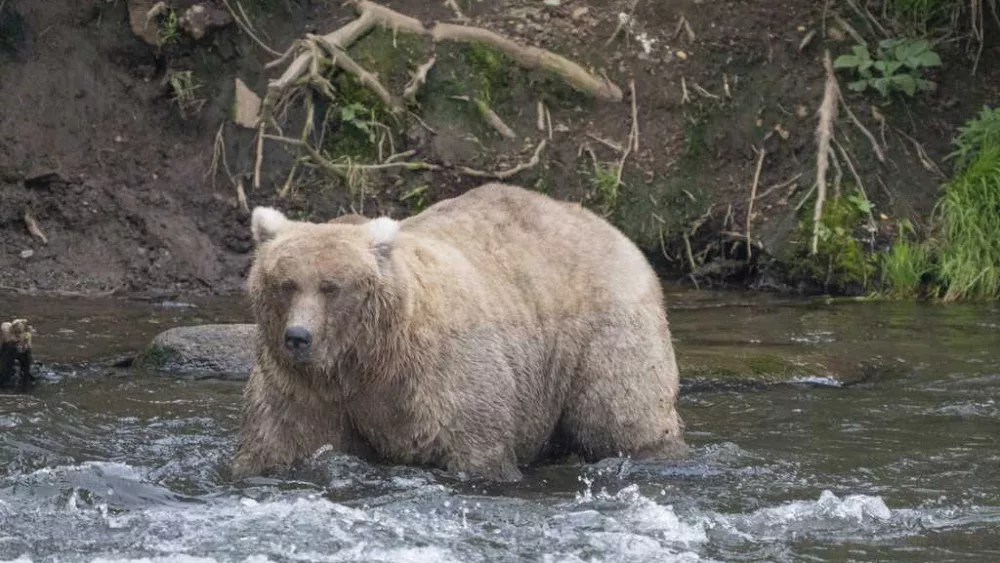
(222, 351)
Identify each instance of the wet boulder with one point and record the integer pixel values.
(224, 351)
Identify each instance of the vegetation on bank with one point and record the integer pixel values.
(958, 256)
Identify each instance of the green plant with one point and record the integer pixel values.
(416, 198)
(905, 265)
(981, 132)
(898, 63)
(605, 186)
(840, 260)
(168, 27)
(360, 118)
(183, 84)
(967, 221)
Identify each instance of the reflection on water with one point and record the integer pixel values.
(903, 466)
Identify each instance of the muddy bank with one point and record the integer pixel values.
(116, 168)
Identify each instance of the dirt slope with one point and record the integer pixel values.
(93, 147)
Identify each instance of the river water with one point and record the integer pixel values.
(101, 464)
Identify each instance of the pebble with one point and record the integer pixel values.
(27, 253)
(580, 12)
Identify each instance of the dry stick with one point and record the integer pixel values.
(824, 131)
(260, 154)
(241, 197)
(635, 115)
(419, 79)
(540, 116)
(248, 29)
(753, 195)
(548, 121)
(779, 186)
(857, 177)
(33, 227)
(504, 174)
(490, 116)
(871, 138)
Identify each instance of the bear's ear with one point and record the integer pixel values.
(267, 223)
(383, 231)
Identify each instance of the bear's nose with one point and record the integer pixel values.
(298, 339)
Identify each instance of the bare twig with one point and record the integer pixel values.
(779, 186)
(248, 29)
(419, 79)
(762, 152)
(490, 116)
(635, 115)
(241, 197)
(871, 138)
(685, 97)
(610, 144)
(510, 172)
(347, 64)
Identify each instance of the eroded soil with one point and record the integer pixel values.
(93, 146)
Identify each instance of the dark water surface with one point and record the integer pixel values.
(101, 464)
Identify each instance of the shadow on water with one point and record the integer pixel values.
(901, 466)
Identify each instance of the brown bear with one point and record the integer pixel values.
(350, 219)
(489, 332)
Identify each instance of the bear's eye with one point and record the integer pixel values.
(329, 287)
(287, 286)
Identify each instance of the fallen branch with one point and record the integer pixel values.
(827, 115)
(489, 115)
(779, 186)
(509, 173)
(635, 115)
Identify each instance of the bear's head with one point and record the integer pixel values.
(317, 289)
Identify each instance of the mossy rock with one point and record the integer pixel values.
(224, 351)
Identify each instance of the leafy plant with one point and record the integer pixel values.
(896, 66)
(354, 114)
(417, 198)
(977, 133)
(168, 28)
(184, 85)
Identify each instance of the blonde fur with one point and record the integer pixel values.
(491, 331)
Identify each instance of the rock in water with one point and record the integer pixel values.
(222, 351)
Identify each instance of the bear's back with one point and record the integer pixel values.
(557, 246)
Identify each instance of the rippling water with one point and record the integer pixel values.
(100, 464)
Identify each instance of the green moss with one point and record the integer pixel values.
(156, 358)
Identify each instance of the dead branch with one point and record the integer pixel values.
(857, 122)
(779, 186)
(635, 115)
(33, 228)
(505, 174)
(241, 198)
(489, 115)
(838, 173)
(344, 61)
(247, 27)
(827, 115)
(753, 195)
(418, 81)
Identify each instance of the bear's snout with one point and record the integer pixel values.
(297, 340)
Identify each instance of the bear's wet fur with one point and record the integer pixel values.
(479, 336)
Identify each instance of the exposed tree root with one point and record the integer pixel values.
(824, 132)
(310, 59)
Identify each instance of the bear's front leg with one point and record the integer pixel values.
(282, 424)
(495, 463)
